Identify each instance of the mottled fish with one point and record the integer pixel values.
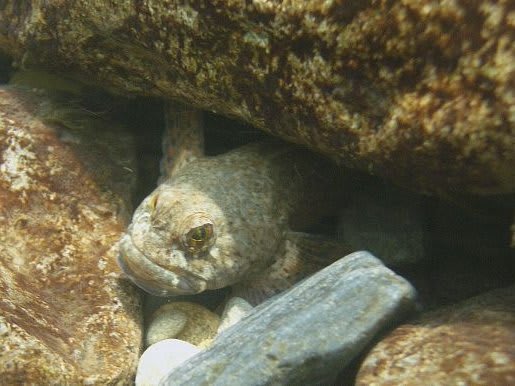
(229, 220)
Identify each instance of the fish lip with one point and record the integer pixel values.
(156, 283)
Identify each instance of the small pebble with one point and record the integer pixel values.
(165, 325)
(160, 358)
(235, 310)
(186, 321)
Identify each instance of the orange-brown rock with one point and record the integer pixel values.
(471, 343)
(418, 91)
(66, 317)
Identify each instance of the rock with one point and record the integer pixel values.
(468, 343)
(160, 358)
(235, 310)
(307, 334)
(384, 220)
(395, 88)
(66, 317)
(186, 321)
(165, 325)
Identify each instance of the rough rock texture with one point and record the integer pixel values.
(66, 317)
(472, 343)
(418, 91)
(306, 335)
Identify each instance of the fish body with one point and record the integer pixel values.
(226, 220)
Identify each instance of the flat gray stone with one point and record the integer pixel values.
(308, 334)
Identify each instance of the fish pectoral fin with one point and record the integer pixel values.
(301, 255)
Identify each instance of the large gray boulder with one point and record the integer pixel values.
(308, 334)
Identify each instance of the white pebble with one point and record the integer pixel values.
(159, 359)
(235, 310)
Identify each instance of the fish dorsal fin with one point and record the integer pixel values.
(301, 255)
(183, 138)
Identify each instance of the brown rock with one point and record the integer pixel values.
(65, 315)
(416, 91)
(471, 343)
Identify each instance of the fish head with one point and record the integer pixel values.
(182, 241)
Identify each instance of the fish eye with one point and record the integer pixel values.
(198, 236)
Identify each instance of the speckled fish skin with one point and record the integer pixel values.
(250, 197)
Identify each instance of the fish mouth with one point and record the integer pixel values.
(153, 278)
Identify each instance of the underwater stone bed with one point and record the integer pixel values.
(432, 301)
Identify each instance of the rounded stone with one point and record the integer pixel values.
(186, 321)
(165, 325)
(470, 342)
(160, 358)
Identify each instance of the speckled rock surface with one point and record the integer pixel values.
(420, 92)
(186, 321)
(471, 343)
(306, 335)
(66, 317)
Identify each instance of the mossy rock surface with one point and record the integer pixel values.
(414, 91)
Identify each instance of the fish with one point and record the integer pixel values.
(234, 219)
